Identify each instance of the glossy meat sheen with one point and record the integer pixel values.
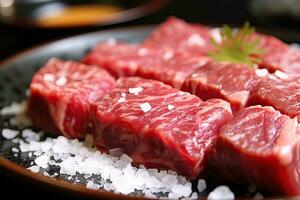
(279, 56)
(148, 61)
(282, 94)
(232, 82)
(261, 146)
(173, 68)
(180, 35)
(120, 59)
(178, 131)
(61, 94)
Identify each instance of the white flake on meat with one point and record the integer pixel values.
(281, 74)
(123, 94)
(145, 107)
(170, 107)
(111, 41)
(201, 186)
(61, 81)
(261, 72)
(168, 55)
(48, 77)
(221, 193)
(121, 100)
(215, 34)
(196, 39)
(142, 52)
(135, 90)
(9, 133)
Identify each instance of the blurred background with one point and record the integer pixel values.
(27, 23)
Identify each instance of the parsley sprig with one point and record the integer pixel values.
(237, 46)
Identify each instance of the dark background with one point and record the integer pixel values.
(211, 12)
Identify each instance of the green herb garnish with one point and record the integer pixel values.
(237, 46)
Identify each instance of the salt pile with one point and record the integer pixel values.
(80, 162)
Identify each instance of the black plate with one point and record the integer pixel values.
(15, 76)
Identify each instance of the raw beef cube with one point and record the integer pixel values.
(281, 93)
(159, 126)
(173, 68)
(180, 35)
(261, 146)
(232, 82)
(61, 94)
(279, 56)
(120, 59)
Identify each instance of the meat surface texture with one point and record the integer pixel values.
(282, 94)
(148, 61)
(61, 94)
(159, 126)
(261, 146)
(232, 82)
(180, 35)
(279, 56)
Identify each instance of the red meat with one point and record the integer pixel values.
(281, 93)
(261, 146)
(232, 82)
(61, 94)
(159, 126)
(148, 61)
(180, 35)
(279, 56)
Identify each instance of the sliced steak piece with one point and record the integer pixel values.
(61, 94)
(159, 126)
(261, 146)
(232, 82)
(281, 93)
(181, 35)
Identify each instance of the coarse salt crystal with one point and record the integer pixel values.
(168, 55)
(142, 51)
(123, 94)
(34, 168)
(121, 100)
(48, 77)
(196, 39)
(201, 186)
(42, 161)
(9, 133)
(221, 193)
(281, 74)
(261, 72)
(145, 107)
(14, 109)
(61, 81)
(170, 107)
(15, 150)
(135, 90)
(111, 41)
(91, 185)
